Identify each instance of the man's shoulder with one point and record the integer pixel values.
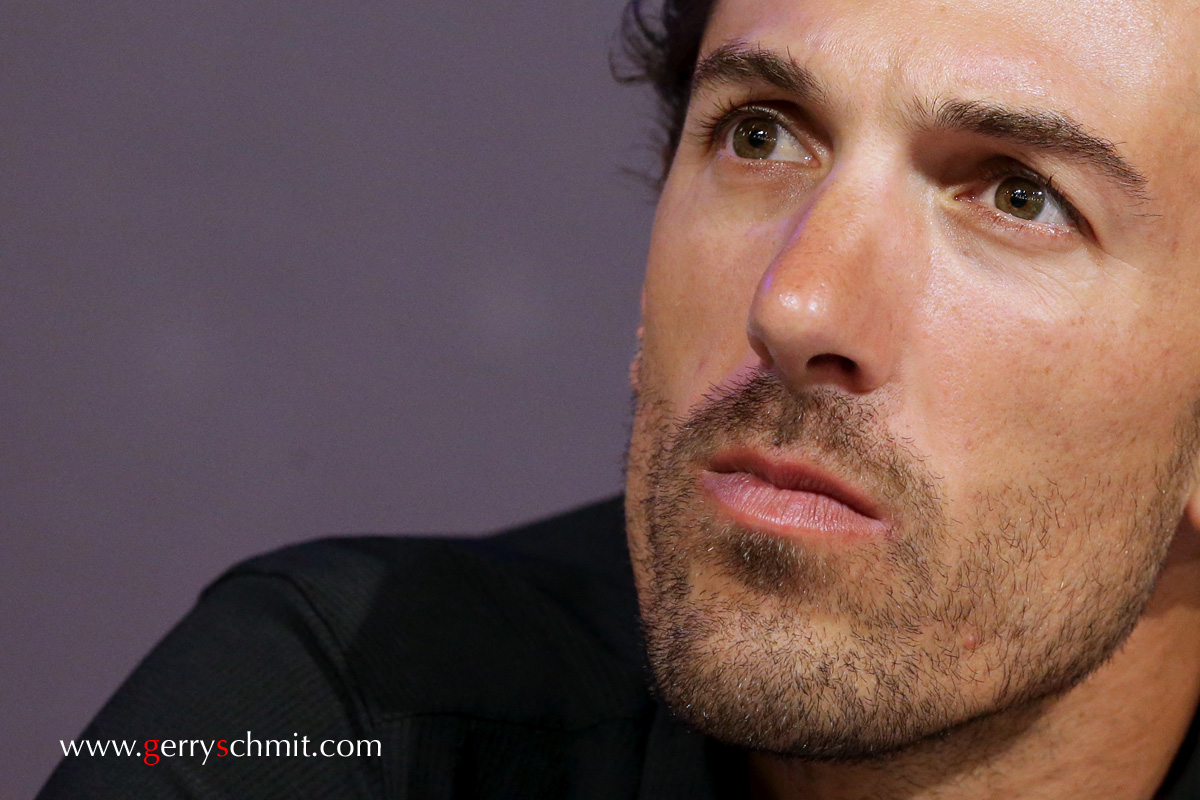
(502, 666)
(536, 625)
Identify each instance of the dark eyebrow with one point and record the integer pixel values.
(735, 62)
(1048, 131)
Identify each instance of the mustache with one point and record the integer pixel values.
(839, 430)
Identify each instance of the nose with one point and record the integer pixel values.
(827, 310)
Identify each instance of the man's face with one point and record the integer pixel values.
(918, 389)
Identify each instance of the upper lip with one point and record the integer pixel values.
(796, 475)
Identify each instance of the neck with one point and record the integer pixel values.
(1114, 735)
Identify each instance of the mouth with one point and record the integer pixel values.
(791, 498)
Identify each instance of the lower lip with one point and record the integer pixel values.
(758, 505)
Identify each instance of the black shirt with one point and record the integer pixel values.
(505, 667)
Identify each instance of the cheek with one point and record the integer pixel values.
(701, 276)
(1013, 396)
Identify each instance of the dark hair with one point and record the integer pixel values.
(661, 49)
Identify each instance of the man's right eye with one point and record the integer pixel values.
(755, 138)
(759, 137)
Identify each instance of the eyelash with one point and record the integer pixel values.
(1014, 169)
(715, 125)
(712, 128)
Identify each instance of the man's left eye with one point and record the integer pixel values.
(762, 138)
(1028, 200)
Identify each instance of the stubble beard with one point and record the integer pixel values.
(856, 653)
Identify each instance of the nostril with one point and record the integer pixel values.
(832, 362)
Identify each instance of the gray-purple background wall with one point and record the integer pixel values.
(272, 269)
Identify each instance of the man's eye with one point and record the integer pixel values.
(761, 138)
(1029, 200)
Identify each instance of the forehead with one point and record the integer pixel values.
(1132, 52)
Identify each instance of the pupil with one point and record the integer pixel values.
(1021, 198)
(754, 138)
